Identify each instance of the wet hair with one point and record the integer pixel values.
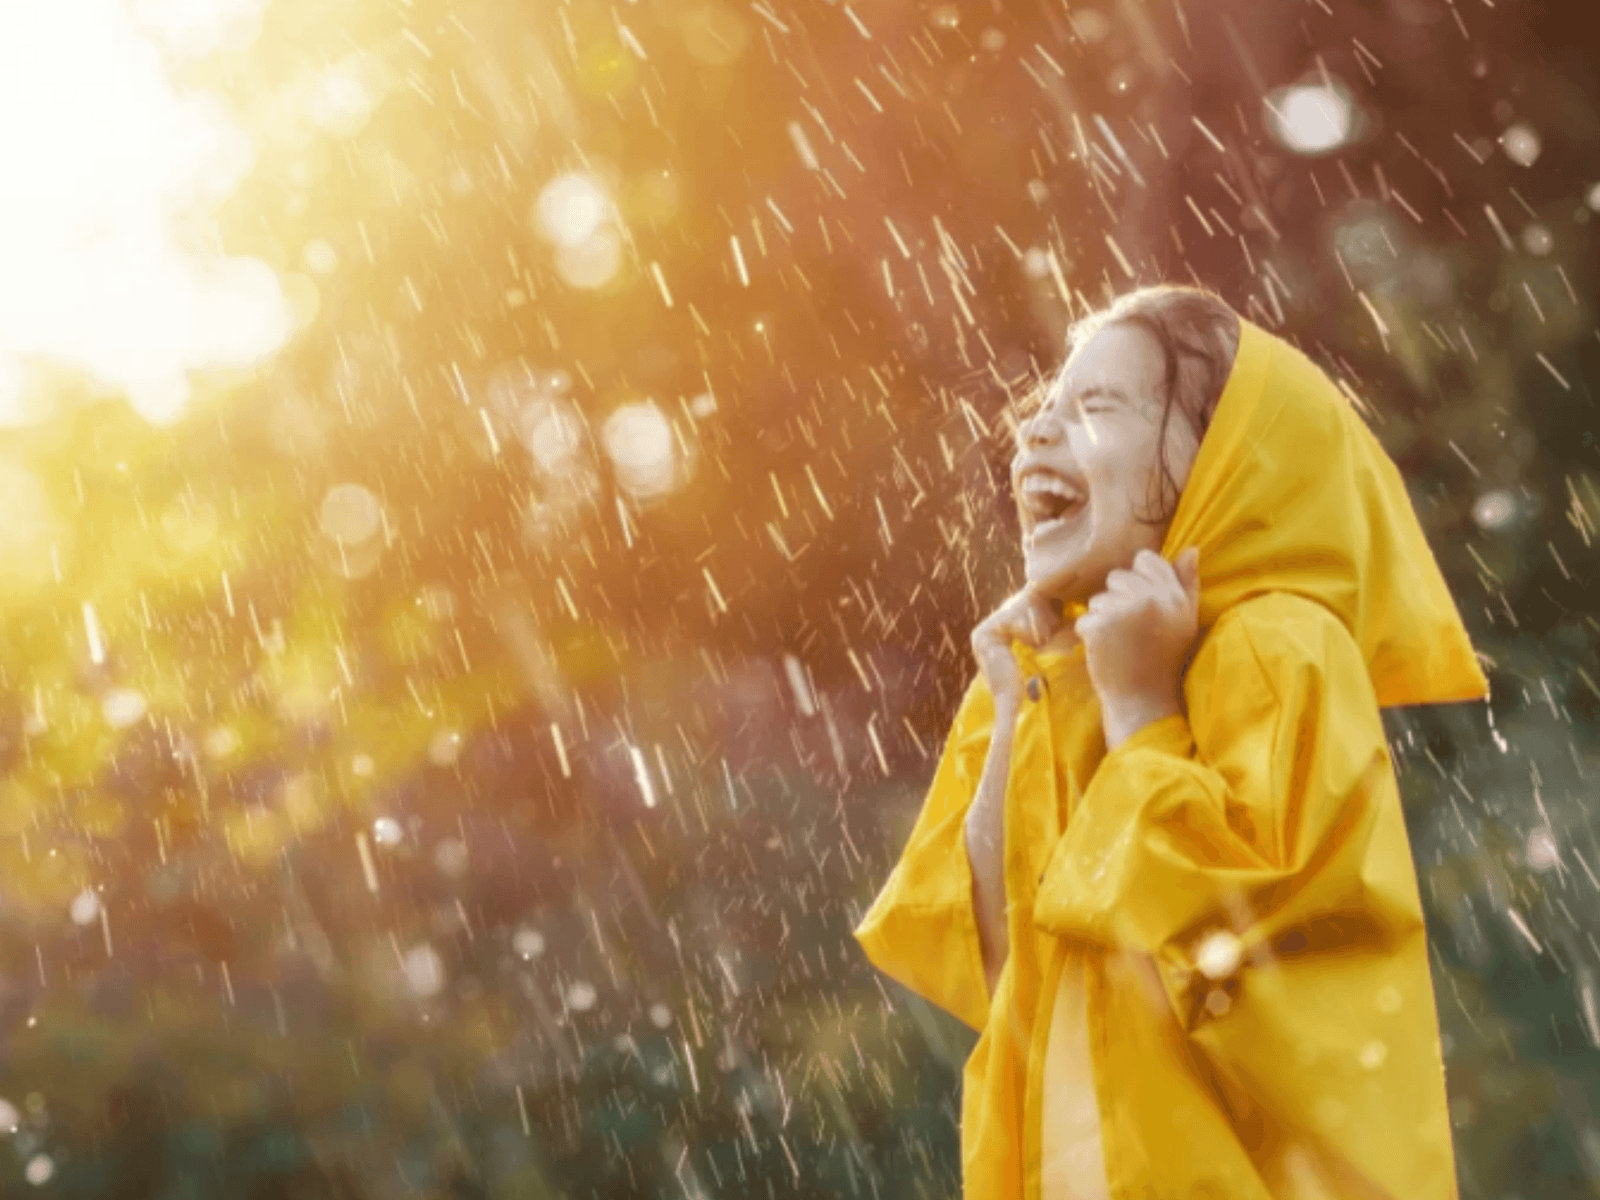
(1199, 336)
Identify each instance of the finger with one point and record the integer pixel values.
(1113, 605)
(1189, 571)
(1159, 573)
(1121, 581)
(1044, 615)
(1031, 619)
(1153, 567)
(1130, 597)
(1034, 620)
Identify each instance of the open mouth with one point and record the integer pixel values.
(1048, 502)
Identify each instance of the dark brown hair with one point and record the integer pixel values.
(1199, 336)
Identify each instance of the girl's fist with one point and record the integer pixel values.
(1137, 636)
(1026, 617)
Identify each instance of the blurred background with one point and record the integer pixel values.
(493, 500)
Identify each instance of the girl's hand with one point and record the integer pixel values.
(1026, 617)
(1137, 636)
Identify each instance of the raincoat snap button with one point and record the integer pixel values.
(1035, 687)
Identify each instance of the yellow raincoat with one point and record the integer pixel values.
(1303, 1060)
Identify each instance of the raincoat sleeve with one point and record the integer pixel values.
(1269, 815)
(921, 930)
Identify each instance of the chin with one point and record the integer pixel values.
(1053, 579)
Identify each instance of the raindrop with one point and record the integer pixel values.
(795, 670)
(445, 748)
(85, 907)
(1542, 851)
(571, 209)
(424, 971)
(638, 438)
(40, 1169)
(1311, 119)
(1219, 954)
(9, 1116)
(553, 432)
(992, 40)
(581, 996)
(1092, 25)
(945, 16)
(1593, 198)
(350, 514)
(1373, 1055)
(529, 943)
(660, 1015)
(1521, 145)
(123, 707)
(362, 766)
(1536, 239)
(1494, 510)
(386, 831)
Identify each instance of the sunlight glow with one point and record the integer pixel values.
(105, 162)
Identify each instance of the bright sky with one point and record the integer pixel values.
(106, 166)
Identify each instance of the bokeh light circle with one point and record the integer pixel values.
(1521, 144)
(350, 514)
(571, 209)
(1311, 119)
(638, 439)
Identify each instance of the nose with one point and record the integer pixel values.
(1041, 429)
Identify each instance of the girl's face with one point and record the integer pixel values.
(1087, 464)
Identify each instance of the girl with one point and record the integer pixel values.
(1162, 866)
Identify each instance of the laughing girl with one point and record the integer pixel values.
(1162, 866)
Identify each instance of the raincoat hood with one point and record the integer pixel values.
(1291, 492)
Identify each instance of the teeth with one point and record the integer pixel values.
(1039, 483)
